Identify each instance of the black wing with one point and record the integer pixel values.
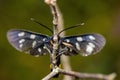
(27, 41)
(86, 44)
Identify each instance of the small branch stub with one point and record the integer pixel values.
(50, 2)
(47, 2)
(88, 75)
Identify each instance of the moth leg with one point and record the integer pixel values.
(62, 51)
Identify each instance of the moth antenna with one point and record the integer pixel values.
(32, 19)
(71, 27)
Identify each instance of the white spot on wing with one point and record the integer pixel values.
(44, 39)
(89, 49)
(39, 49)
(79, 39)
(91, 37)
(21, 41)
(77, 46)
(44, 47)
(21, 45)
(21, 34)
(33, 44)
(67, 40)
(91, 44)
(32, 36)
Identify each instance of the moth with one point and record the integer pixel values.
(38, 44)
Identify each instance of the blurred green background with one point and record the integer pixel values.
(100, 16)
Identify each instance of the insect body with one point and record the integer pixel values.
(38, 44)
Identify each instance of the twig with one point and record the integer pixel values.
(80, 75)
(58, 20)
(58, 25)
(88, 75)
(64, 59)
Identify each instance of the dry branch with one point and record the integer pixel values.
(58, 25)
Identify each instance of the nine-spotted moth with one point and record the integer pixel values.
(38, 44)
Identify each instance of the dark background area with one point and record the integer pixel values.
(100, 16)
